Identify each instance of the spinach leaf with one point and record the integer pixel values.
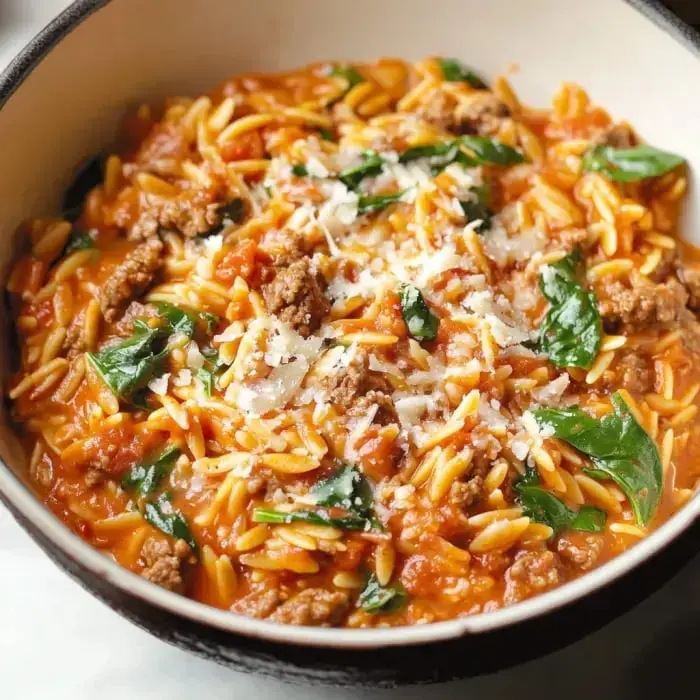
(347, 489)
(146, 477)
(618, 447)
(161, 514)
(455, 71)
(350, 522)
(232, 212)
(349, 74)
(440, 155)
(368, 205)
(79, 240)
(491, 152)
(88, 177)
(376, 598)
(206, 376)
(326, 134)
(544, 507)
(177, 320)
(571, 332)
(478, 208)
(421, 322)
(129, 366)
(300, 170)
(210, 320)
(630, 164)
(372, 165)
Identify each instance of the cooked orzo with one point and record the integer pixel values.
(363, 345)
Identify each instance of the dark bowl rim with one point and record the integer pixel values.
(16, 493)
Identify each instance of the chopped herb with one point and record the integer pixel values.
(630, 164)
(232, 212)
(440, 155)
(210, 320)
(79, 240)
(477, 208)
(491, 152)
(350, 522)
(88, 177)
(146, 477)
(571, 332)
(178, 320)
(421, 322)
(618, 447)
(376, 598)
(347, 489)
(368, 205)
(326, 134)
(300, 170)
(349, 74)
(208, 371)
(161, 514)
(455, 71)
(372, 165)
(544, 507)
(206, 376)
(128, 367)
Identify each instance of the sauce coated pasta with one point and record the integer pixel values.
(363, 345)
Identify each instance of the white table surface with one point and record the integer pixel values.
(59, 643)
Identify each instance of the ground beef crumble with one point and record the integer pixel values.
(386, 411)
(531, 573)
(482, 114)
(163, 563)
(295, 297)
(313, 607)
(580, 549)
(131, 278)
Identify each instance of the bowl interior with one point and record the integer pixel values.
(131, 50)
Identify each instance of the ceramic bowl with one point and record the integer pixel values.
(61, 99)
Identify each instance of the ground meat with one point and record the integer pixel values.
(294, 248)
(617, 136)
(98, 468)
(192, 213)
(74, 343)
(689, 275)
(641, 305)
(131, 278)
(355, 379)
(295, 296)
(125, 325)
(531, 573)
(482, 114)
(580, 549)
(466, 493)
(634, 373)
(314, 607)
(163, 563)
(259, 604)
(386, 411)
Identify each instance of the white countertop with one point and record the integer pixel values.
(58, 642)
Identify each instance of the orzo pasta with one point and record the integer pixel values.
(363, 346)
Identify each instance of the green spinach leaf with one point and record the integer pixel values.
(177, 320)
(630, 164)
(421, 322)
(455, 71)
(161, 514)
(491, 152)
(349, 522)
(571, 333)
(477, 208)
(129, 366)
(347, 489)
(145, 478)
(326, 134)
(372, 165)
(618, 447)
(79, 240)
(376, 598)
(544, 507)
(300, 170)
(349, 74)
(368, 205)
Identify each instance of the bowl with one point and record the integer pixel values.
(61, 99)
